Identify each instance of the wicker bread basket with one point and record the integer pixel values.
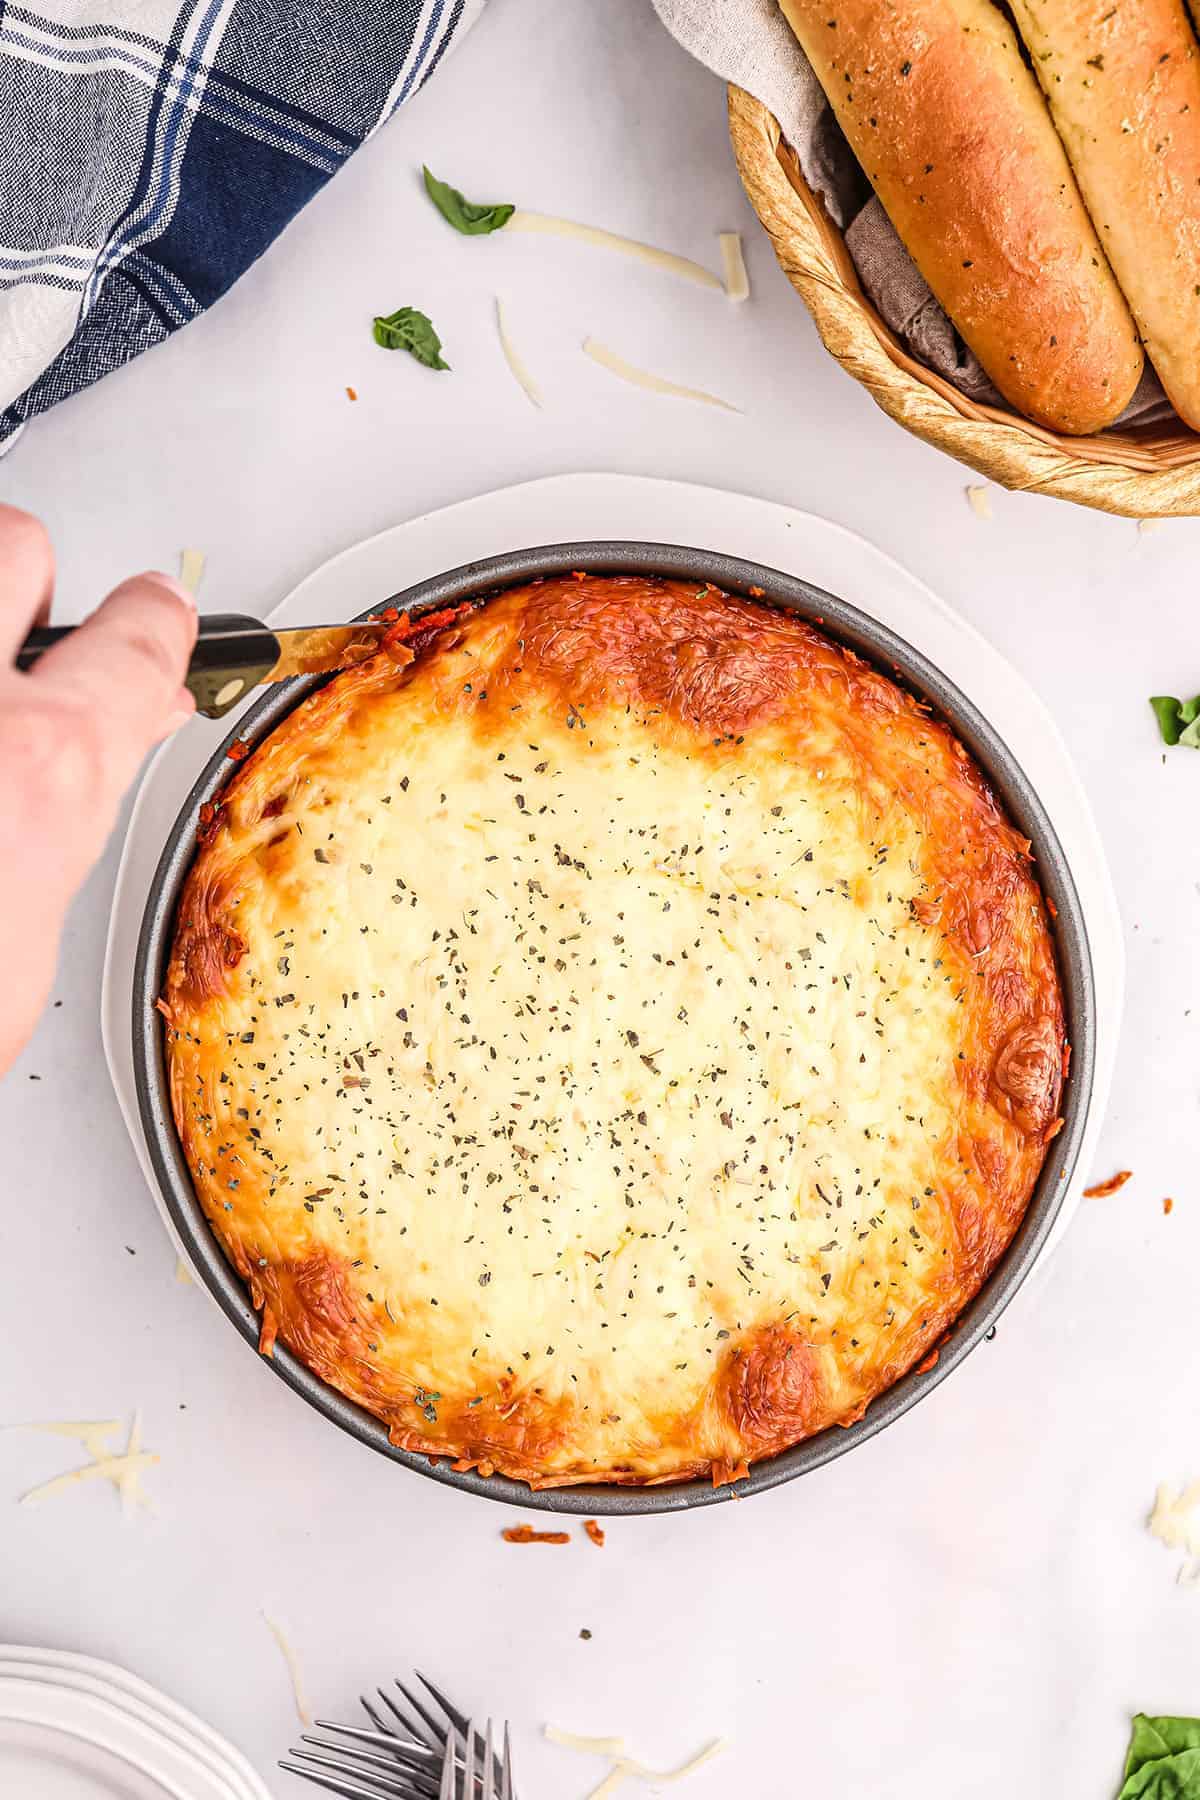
(1142, 471)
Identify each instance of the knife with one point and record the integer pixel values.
(234, 653)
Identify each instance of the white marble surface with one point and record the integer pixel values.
(969, 1605)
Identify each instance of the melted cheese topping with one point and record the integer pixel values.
(588, 1092)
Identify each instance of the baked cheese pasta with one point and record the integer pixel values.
(612, 1031)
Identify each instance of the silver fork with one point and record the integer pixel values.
(487, 1774)
(425, 1759)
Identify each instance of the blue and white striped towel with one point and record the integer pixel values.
(150, 150)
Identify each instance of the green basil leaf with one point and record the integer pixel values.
(1166, 711)
(1174, 1778)
(1154, 1738)
(465, 215)
(410, 330)
(1163, 1761)
(1170, 1778)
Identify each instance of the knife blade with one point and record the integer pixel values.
(234, 653)
(319, 649)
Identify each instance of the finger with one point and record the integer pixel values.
(72, 732)
(26, 577)
(121, 671)
(183, 709)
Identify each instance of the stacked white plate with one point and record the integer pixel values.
(72, 1728)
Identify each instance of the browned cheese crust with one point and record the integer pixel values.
(955, 138)
(615, 1043)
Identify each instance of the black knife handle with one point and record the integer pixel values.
(232, 654)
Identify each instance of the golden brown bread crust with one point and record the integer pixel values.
(1123, 82)
(615, 1044)
(947, 122)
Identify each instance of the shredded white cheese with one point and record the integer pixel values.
(616, 365)
(293, 1666)
(611, 240)
(1147, 525)
(191, 569)
(590, 1746)
(980, 502)
(113, 1468)
(615, 1778)
(664, 1777)
(93, 1434)
(737, 281)
(1174, 1520)
(129, 1481)
(122, 1468)
(521, 375)
(624, 1767)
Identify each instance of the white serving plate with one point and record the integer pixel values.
(74, 1728)
(563, 508)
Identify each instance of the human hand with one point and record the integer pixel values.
(73, 732)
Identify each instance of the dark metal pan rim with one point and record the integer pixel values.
(899, 660)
